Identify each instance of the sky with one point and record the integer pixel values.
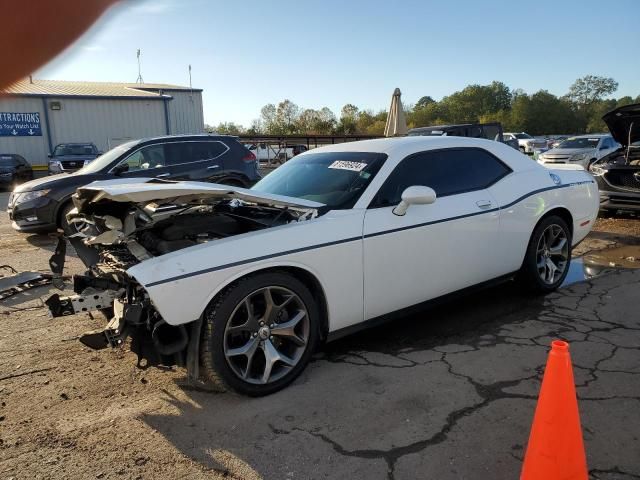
(245, 54)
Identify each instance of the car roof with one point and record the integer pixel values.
(400, 147)
(75, 143)
(592, 135)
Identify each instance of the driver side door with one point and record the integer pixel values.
(433, 249)
(146, 162)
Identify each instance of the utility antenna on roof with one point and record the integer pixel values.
(139, 79)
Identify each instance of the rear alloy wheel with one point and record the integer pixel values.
(260, 334)
(548, 256)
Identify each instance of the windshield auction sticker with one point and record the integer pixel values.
(344, 165)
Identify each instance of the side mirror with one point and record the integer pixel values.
(49, 155)
(120, 169)
(416, 195)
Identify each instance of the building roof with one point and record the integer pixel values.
(65, 88)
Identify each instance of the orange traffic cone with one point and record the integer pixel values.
(555, 450)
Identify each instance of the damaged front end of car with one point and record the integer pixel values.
(118, 225)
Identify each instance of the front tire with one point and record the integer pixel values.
(259, 334)
(548, 255)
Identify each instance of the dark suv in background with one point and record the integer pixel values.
(71, 157)
(42, 204)
(490, 131)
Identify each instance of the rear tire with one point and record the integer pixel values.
(259, 334)
(548, 255)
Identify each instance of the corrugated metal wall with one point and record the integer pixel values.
(34, 149)
(105, 122)
(185, 112)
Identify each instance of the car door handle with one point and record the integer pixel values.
(484, 204)
(213, 166)
(162, 175)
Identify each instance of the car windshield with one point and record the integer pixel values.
(580, 142)
(336, 179)
(105, 159)
(77, 149)
(522, 136)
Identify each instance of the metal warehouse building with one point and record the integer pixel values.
(36, 115)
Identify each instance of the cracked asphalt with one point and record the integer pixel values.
(445, 394)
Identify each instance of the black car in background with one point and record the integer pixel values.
(14, 169)
(618, 173)
(490, 131)
(42, 204)
(71, 157)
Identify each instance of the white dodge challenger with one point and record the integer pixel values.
(241, 285)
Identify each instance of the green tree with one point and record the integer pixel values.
(590, 89)
(228, 128)
(424, 101)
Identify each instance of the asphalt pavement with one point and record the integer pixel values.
(449, 393)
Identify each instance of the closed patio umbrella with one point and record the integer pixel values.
(396, 123)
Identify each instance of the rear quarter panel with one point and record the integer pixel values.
(526, 196)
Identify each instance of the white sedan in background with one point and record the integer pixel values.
(241, 286)
(581, 150)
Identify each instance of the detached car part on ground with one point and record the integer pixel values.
(240, 286)
(618, 173)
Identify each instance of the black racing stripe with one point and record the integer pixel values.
(353, 239)
(540, 190)
(251, 260)
(425, 224)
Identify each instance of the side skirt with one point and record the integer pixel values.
(382, 319)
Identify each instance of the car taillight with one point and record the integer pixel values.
(249, 157)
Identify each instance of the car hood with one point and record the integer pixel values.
(567, 151)
(624, 124)
(41, 183)
(138, 190)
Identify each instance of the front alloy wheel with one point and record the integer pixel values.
(259, 334)
(266, 335)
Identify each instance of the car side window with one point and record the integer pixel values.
(189, 152)
(448, 172)
(146, 158)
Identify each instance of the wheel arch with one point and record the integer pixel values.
(62, 204)
(562, 212)
(301, 273)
